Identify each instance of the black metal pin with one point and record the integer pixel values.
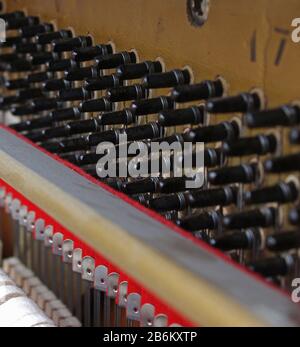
(191, 115)
(102, 83)
(282, 192)
(244, 102)
(46, 38)
(126, 93)
(256, 145)
(68, 44)
(28, 47)
(167, 79)
(200, 91)
(286, 163)
(283, 241)
(226, 131)
(56, 84)
(111, 61)
(286, 115)
(33, 30)
(238, 239)
(206, 220)
(39, 77)
(281, 265)
(89, 53)
(74, 94)
(263, 217)
(41, 58)
(14, 23)
(246, 173)
(96, 105)
(139, 70)
(212, 197)
(61, 65)
(151, 106)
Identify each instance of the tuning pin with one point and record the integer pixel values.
(126, 93)
(72, 128)
(96, 105)
(148, 131)
(9, 57)
(263, 217)
(125, 116)
(37, 123)
(61, 65)
(102, 83)
(12, 41)
(141, 132)
(170, 202)
(39, 77)
(43, 57)
(155, 185)
(285, 163)
(27, 94)
(212, 197)
(167, 79)
(74, 94)
(89, 158)
(12, 15)
(294, 216)
(235, 240)
(259, 145)
(33, 30)
(19, 65)
(294, 136)
(141, 186)
(89, 53)
(28, 47)
(286, 115)
(135, 71)
(282, 192)
(56, 84)
(226, 131)
(111, 61)
(6, 101)
(104, 136)
(22, 110)
(212, 157)
(19, 22)
(44, 104)
(65, 146)
(191, 115)
(244, 102)
(200, 91)
(19, 83)
(43, 122)
(283, 241)
(234, 174)
(207, 220)
(71, 113)
(281, 265)
(81, 73)
(151, 106)
(46, 38)
(68, 44)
